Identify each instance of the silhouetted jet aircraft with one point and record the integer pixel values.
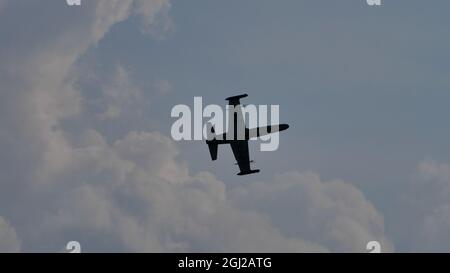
(239, 144)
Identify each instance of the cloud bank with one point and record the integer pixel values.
(132, 194)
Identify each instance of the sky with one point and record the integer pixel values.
(86, 152)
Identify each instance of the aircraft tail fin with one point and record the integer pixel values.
(213, 147)
(251, 161)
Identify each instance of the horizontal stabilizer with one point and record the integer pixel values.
(248, 172)
(235, 99)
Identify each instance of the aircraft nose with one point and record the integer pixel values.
(283, 127)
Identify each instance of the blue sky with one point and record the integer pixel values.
(365, 90)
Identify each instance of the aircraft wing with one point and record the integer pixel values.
(240, 151)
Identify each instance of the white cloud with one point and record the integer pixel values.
(8, 237)
(38, 93)
(163, 87)
(40, 83)
(435, 172)
(332, 213)
(132, 193)
(426, 204)
(120, 96)
(156, 23)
